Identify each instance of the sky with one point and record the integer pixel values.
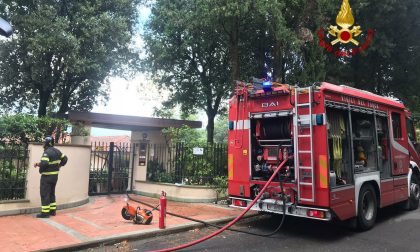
(136, 97)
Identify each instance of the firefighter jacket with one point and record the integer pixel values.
(51, 161)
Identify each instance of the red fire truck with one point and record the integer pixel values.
(346, 152)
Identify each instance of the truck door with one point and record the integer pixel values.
(399, 144)
(400, 156)
(413, 145)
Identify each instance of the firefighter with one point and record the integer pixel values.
(51, 161)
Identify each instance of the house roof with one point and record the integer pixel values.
(133, 123)
(124, 139)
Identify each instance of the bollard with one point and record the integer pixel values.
(162, 212)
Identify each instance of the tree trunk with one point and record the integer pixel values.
(44, 97)
(278, 69)
(64, 105)
(210, 127)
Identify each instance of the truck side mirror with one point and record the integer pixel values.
(5, 28)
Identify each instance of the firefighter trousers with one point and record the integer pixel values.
(48, 183)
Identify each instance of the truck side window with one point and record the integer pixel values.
(396, 125)
(410, 129)
(364, 148)
(383, 146)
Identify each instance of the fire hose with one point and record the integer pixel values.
(227, 226)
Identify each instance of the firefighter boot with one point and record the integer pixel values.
(52, 212)
(43, 215)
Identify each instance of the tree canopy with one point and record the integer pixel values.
(391, 63)
(198, 48)
(22, 129)
(62, 52)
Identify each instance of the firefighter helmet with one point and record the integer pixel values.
(48, 141)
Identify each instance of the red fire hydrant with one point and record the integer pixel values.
(162, 213)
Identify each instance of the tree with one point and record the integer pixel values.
(197, 48)
(18, 129)
(391, 63)
(186, 55)
(63, 51)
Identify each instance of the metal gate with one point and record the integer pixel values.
(179, 163)
(111, 168)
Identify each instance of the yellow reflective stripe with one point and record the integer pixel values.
(45, 207)
(45, 211)
(230, 166)
(45, 159)
(323, 171)
(53, 206)
(54, 162)
(62, 156)
(50, 173)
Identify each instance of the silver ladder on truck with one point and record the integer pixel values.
(302, 119)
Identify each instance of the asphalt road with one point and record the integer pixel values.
(395, 230)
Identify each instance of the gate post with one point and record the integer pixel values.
(110, 165)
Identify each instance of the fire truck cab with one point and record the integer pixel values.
(347, 152)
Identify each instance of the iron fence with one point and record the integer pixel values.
(109, 168)
(179, 163)
(13, 168)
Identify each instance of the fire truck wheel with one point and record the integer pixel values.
(413, 200)
(367, 208)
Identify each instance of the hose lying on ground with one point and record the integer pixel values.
(234, 220)
(217, 226)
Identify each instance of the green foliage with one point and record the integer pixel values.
(185, 54)
(13, 167)
(178, 163)
(220, 185)
(79, 129)
(221, 129)
(184, 135)
(156, 172)
(62, 52)
(25, 128)
(391, 63)
(197, 48)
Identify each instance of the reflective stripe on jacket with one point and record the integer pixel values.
(51, 161)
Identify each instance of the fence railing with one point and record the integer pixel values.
(192, 165)
(13, 168)
(109, 168)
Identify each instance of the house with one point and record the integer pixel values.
(126, 165)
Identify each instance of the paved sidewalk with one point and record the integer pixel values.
(100, 221)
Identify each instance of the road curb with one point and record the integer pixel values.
(141, 234)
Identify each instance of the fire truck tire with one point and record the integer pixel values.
(413, 200)
(367, 208)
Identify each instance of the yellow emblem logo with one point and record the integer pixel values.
(345, 20)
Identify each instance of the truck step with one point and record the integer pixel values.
(303, 104)
(305, 183)
(306, 199)
(305, 167)
(305, 152)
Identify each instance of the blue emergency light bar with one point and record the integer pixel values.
(5, 28)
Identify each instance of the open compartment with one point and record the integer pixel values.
(271, 143)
